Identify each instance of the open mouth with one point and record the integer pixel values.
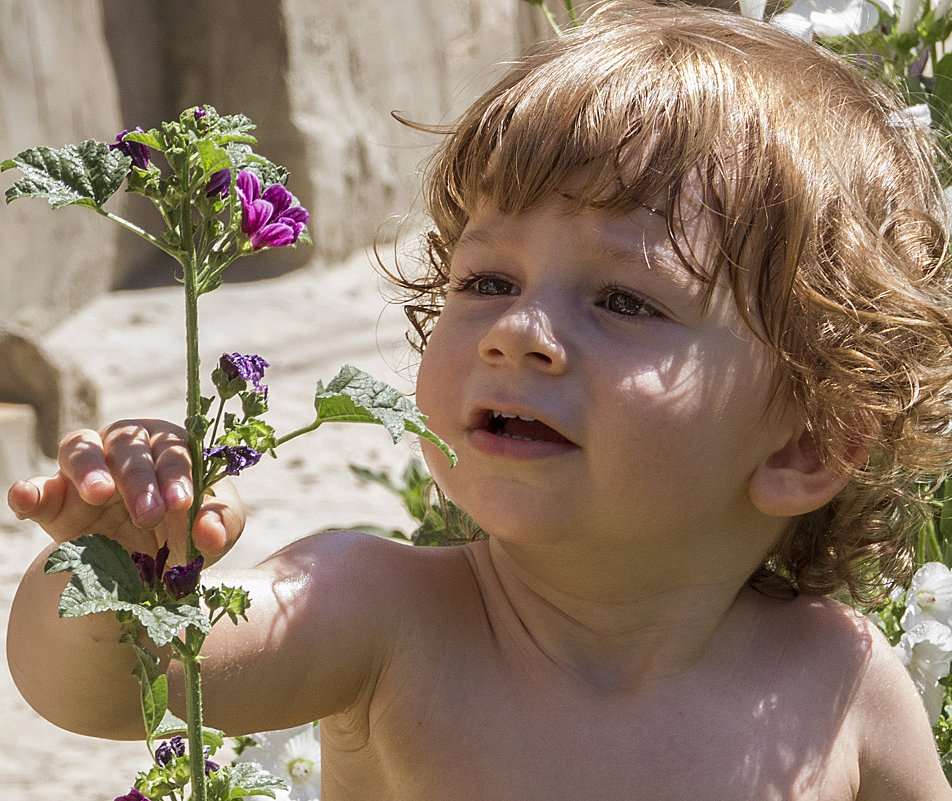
(521, 427)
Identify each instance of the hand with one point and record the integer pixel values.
(131, 482)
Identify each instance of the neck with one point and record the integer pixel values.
(615, 624)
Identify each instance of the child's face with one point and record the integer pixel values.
(651, 413)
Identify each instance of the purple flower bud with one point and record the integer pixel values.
(151, 569)
(167, 751)
(210, 767)
(219, 183)
(138, 152)
(183, 579)
(199, 113)
(237, 457)
(133, 795)
(268, 218)
(248, 367)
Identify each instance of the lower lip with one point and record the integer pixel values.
(508, 448)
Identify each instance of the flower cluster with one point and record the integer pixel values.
(179, 581)
(921, 618)
(268, 218)
(249, 368)
(235, 458)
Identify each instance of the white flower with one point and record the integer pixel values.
(908, 15)
(926, 650)
(753, 8)
(293, 755)
(940, 9)
(929, 596)
(911, 117)
(830, 17)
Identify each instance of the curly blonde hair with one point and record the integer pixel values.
(830, 226)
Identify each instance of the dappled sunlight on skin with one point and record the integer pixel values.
(793, 732)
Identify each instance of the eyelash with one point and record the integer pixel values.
(471, 281)
(644, 309)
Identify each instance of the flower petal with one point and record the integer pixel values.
(248, 186)
(279, 197)
(256, 215)
(274, 235)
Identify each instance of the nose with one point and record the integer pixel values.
(524, 337)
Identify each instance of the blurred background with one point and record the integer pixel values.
(90, 317)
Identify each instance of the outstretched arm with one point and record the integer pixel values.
(315, 628)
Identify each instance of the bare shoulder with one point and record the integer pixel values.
(884, 721)
(329, 613)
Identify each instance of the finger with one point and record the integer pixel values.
(128, 452)
(39, 499)
(83, 461)
(173, 468)
(24, 498)
(220, 522)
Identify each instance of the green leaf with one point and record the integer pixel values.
(213, 157)
(154, 686)
(103, 574)
(355, 397)
(105, 579)
(147, 138)
(247, 778)
(940, 101)
(87, 174)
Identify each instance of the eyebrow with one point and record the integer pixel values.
(664, 262)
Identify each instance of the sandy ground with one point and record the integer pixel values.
(307, 324)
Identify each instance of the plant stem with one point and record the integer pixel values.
(297, 432)
(193, 397)
(140, 232)
(193, 714)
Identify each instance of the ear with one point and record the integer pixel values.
(793, 480)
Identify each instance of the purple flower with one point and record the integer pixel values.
(151, 569)
(248, 367)
(218, 183)
(268, 218)
(183, 579)
(210, 767)
(199, 113)
(237, 457)
(133, 795)
(138, 152)
(167, 751)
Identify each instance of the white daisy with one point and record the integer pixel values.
(293, 755)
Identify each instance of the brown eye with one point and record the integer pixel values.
(491, 285)
(628, 304)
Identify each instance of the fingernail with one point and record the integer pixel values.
(98, 478)
(145, 504)
(177, 492)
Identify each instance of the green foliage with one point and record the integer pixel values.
(87, 174)
(355, 397)
(440, 523)
(105, 579)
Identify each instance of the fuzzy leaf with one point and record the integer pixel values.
(355, 397)
(247, 778)
(105, 579)
(153, 685)
(87, 174)
(103, 574)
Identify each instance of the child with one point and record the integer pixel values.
(686, 323)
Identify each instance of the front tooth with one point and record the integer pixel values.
(525, 417)
(504, 415)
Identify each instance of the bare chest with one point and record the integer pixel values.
(493, 735)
